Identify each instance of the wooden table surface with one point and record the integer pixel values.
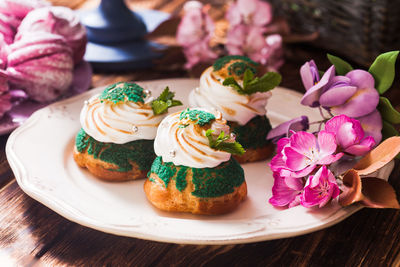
(33, 235)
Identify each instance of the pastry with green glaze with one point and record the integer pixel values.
(194, 170)
(234, 86)
(119, 125)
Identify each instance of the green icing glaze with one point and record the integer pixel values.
(221, 62)
(198, 116)
(164, 170)
(238, 68)
(122, 155)
(121, 92)
(181, 182)
(253, 134)
(208, 182)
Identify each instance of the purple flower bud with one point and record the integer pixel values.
(284, 129)
(311, 97)
(309, 74)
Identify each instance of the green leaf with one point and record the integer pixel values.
(219, 144)
(247, 77)
(164, 102)
(387, 111)
(267, 82)
(342, 67)
(230, 81)
(383, 70)
(388, 130)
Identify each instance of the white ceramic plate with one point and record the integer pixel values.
(40, 154)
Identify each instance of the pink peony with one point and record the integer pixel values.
(42, 65)
(350, 135)
(300, 154)
(320, 189)
(249, 12)
(286, 191)
(56, 20)
(194, 34)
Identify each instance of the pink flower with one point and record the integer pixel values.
(194, 34)
(249, 41)
(286, 191)
(320, 189)
(300, 154)
(196, 53)
(57, 20)
(350, 135)
(249, 12)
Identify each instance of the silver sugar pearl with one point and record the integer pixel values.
(197, 90)
(233, 135)
(172, 153)
(147, 92)
(86, 102)
(135, 129)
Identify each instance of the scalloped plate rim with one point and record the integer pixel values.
(24, 179)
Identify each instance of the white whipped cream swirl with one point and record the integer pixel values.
(119, 123)
(234, 107)
(189, 146)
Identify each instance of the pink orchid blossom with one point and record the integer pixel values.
(320, 189)
(194, 34)
(286, 191)
(250, 41)
(300, 154)
(249, 12)
(350, 135)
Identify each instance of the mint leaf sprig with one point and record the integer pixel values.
(164, 101)
(220, 143)
(253, 84)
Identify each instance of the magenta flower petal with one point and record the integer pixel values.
(330, 159)
(277, 163)
(320, 189)
(295, 160)
(311, 97)
(326, 143)
(349, 134)
(297, 174)
(282, 194)
(362, 148)
(372, 125)
(282, 143)
(303, 143)
(334, 124)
